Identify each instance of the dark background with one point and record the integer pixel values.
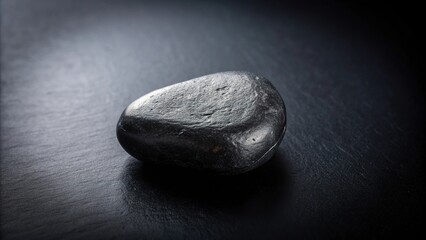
(350, 165)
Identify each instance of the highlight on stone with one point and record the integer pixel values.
(224, 123)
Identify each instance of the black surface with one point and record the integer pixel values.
(224, 123)
(350, 164)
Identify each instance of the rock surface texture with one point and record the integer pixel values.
(223, 123)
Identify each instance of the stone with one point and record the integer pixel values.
(225, 123)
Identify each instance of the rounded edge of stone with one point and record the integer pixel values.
(268, 155)
(121, 136)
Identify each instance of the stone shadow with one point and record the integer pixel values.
(258, 190)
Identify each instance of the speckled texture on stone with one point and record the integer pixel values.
(224, 123)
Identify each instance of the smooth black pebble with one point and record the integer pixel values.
(223, 123)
